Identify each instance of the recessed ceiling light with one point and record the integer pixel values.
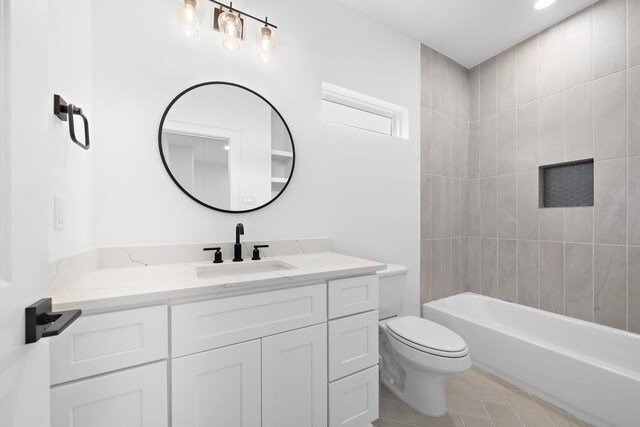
(541, 4)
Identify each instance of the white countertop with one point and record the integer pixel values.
(118, 287)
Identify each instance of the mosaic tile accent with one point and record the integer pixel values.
(567, 185)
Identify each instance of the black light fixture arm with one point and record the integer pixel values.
(232, 9)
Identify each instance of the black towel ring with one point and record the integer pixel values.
(65, 112)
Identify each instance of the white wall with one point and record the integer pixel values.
(70, 74)
(361, 189)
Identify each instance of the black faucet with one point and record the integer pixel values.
(237, 248)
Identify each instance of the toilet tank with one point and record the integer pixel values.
(392, 282)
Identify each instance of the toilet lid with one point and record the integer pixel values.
(427, 334)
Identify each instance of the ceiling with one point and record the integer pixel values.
(467, 31)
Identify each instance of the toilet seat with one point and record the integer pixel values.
(427, 337)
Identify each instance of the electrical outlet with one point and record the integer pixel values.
(58, 213)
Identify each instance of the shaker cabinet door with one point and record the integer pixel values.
(294, 378)
(218, 388)
(132, 398)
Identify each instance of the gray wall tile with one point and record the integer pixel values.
(449, 67)
(527, 135)
(610, 201)
(528, 70)
(633, 29)
(507, 268)
(445, 219)
(633, 303)
(447, 264)
(578, 260)
(488, 130)
(609, 37)
(473, 216)
(474, 150)
(437, 82)
(507, 71)
(578, 49)
(488, 88)
(455, 148)
(610, 285)
(489, 260)
(425, 140)
(464, 259)
(578, 123)
(464, 200)
(528, 205)
(456, 266)
(610, 116)
(578, 225)
(634, 111)
(446, 129)
(634, 200)
(426, 75)
(456, 208)
(436, 208)
(474, 93)
(437, 126)
(552, 277)
(506, 140)
(507, 204)
(425, 206)
(551, 45)
(464, 150)
(528, 292)
(488, 208)
(551, 129)
(425, 271)
(552, 224)
(464, 95)
(447, 85)
(473, 265)
(436, 269)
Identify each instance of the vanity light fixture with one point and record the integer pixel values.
(230, 23)
(266, 46)
(542, 4)
(189, 17)
(230, 27)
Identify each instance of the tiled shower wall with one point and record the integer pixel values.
(444, 173)
(571, 92)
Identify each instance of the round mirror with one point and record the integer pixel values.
(226, 147)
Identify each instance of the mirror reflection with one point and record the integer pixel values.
(226, 147)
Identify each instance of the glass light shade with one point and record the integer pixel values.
(231, 29)
(189, 17)
(266, 44)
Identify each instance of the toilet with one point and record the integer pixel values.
(415, 354)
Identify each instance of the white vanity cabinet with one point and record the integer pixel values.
(303, 356)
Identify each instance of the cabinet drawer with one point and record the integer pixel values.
(352, 295)
(216, 323)
(135, 397)
(106, 342)
(353, 344)
(353, 401)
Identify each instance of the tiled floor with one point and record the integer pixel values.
(478, 399)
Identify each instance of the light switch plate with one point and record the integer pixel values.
(58, 213)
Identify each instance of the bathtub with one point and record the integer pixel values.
(590, 370)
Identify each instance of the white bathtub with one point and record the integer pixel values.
(590, 370)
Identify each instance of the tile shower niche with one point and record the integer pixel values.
(566, 185)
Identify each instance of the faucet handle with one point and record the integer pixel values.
(256, 251)
(217, 255)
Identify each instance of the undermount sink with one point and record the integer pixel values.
(243, 268)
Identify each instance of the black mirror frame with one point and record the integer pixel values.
(175, 181)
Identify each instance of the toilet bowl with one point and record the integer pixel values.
(416, 354)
